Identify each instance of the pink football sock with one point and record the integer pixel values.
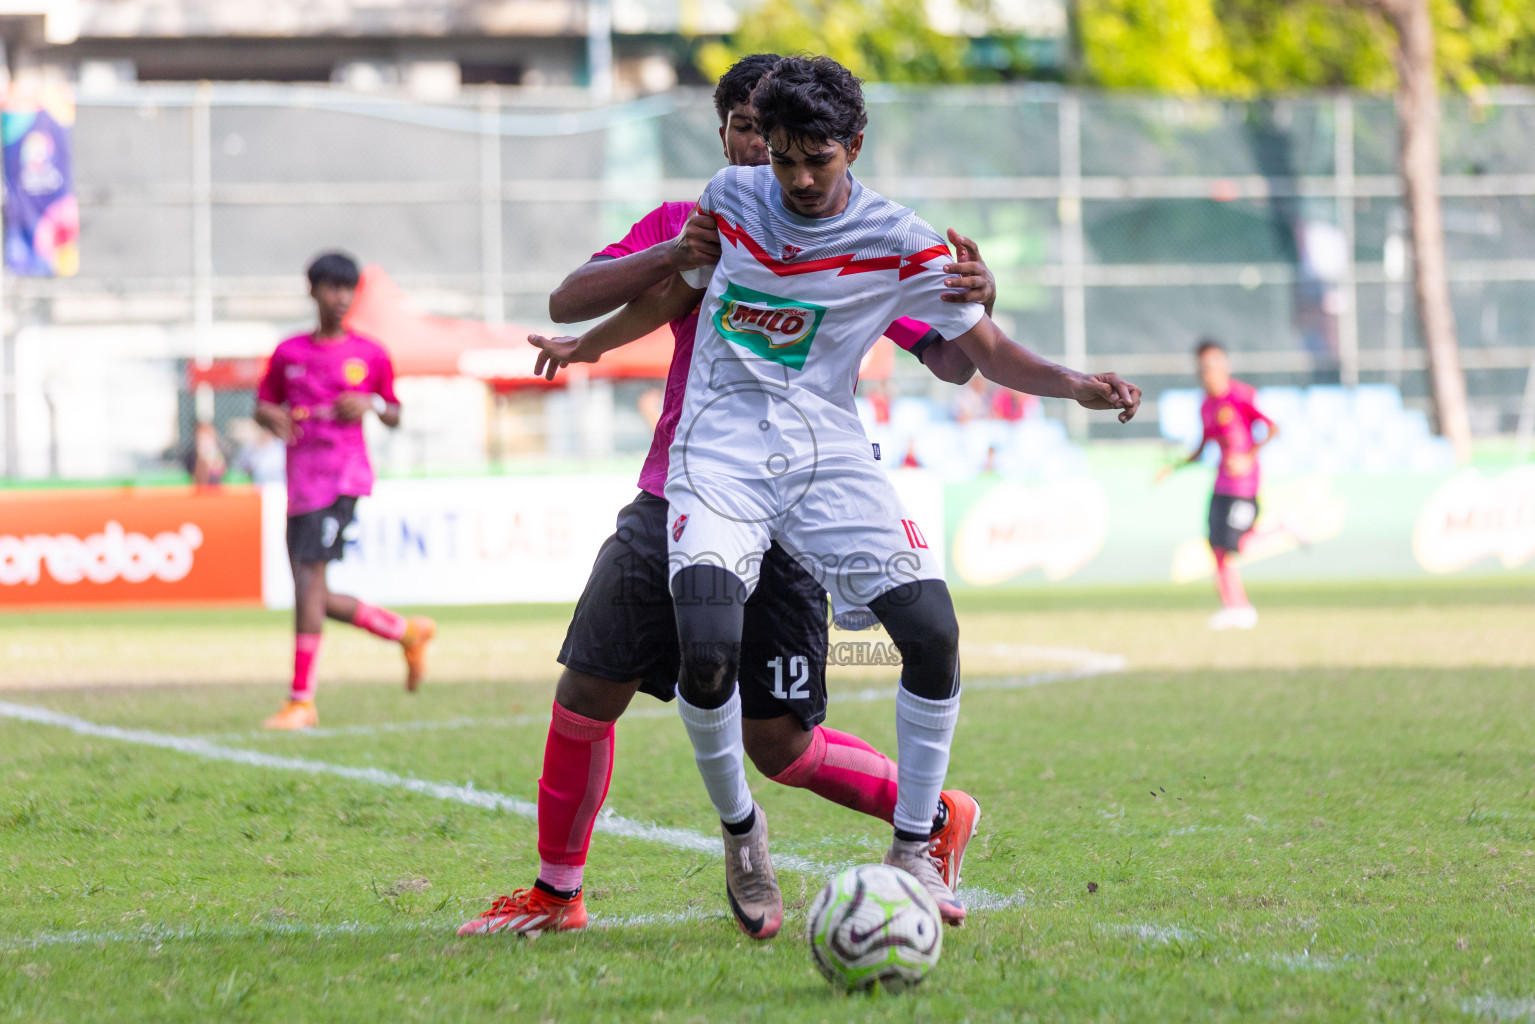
(379, 621)
(306, 651)
(845, 770)
(578, 764)
(1228, 582)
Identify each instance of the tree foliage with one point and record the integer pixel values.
(877, 40)
(1245, 47)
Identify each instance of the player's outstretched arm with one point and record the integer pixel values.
(673, 300)
(602, 285)
(1003, 361)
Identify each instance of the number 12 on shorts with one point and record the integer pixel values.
(799, 684)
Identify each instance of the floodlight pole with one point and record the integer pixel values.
(599, 49)
(1343, 172)
(1073, 251)
(202, 247)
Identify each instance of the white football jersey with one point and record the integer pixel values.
(791, 309)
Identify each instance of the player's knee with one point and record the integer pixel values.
(708, 672)
(920, 619)
(709, 606)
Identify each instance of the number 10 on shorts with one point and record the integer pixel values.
(799, 684)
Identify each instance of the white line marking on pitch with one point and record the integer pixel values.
(616, 825)
(290, 929)
(1499, 1008)
(610, 824)
(1085, 664)
(1091, 664)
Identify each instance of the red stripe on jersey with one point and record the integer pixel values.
(908, 266)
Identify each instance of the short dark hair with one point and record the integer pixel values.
(812, 100)
(1207, 344)
(334, 268)
(736, 85)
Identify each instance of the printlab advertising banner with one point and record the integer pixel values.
(492, 540)
(1114, 526)
(42, 216)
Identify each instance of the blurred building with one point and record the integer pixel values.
(428, 49)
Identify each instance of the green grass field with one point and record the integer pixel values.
(1330, 818)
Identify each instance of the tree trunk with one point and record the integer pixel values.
(1417, 101)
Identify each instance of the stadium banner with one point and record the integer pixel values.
(1113, 525)
(42, 215)
(152, 546)
(491, 540)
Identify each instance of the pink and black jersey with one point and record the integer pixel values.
(326, 458)
(662, 224)
(1228, 421)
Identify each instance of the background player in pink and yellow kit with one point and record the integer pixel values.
(1229, 414)
(317, 389)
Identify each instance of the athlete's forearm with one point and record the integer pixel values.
(274, 418)
(1003, 361)
(652, 310)
(601, 286)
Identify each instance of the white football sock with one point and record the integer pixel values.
(924, 730)
(716, 736)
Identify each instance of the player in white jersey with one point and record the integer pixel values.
(769, 447)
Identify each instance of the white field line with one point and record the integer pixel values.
(1500, 1008)
(975, 898)
(1154, 934)
(1084, 665)
(157, 935)
(610, 824)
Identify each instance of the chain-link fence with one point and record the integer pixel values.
(1120, 228)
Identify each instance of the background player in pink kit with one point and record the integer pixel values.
(623, 636)
(1229, 414)
(317, 389)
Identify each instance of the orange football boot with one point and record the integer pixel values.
(296, 714)
(949, 842)
(529, 912)
(419, 631)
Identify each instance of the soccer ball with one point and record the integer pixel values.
(874, 924)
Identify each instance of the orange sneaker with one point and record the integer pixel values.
(529, 912)
(419, 631)
(296, 714)
(949, 842)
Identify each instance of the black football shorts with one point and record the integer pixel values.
(318, 536)
(624, 627)
(1230, 519)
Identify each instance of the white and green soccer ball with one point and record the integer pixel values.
(874, 925)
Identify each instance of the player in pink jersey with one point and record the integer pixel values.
(623, 636)
(1229, 414)
(317, 389)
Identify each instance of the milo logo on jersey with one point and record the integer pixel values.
(774, 328)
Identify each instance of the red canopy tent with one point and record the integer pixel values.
(435, 346)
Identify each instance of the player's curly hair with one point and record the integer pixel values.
(736, 85)
(334, 268)
(811, 100)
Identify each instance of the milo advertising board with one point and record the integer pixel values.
(1114, 525)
